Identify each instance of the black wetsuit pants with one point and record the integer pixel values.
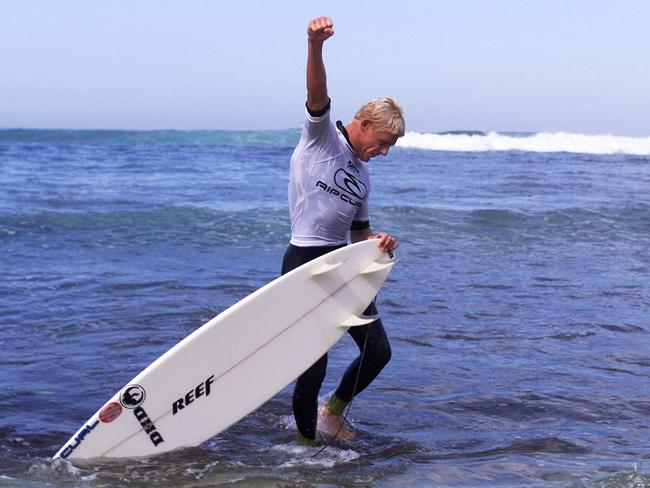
(377, 354)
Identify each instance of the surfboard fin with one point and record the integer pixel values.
(376, 267)
(325, 268)
(356, 320)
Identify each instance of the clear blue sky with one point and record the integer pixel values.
(551, 65)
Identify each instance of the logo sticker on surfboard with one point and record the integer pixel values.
(132, 396)
(110, 412)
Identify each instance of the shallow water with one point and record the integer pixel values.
(518, 313)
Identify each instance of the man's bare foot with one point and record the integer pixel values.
(330, 423)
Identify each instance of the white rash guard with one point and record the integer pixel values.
(328, 185)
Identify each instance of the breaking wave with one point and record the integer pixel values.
(531, 142)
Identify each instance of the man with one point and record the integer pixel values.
(328, 197)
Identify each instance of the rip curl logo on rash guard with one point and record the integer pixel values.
(350, 184)
(350, 189)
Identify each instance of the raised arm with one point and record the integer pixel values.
(318, 31)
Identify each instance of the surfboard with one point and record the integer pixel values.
(238, 360)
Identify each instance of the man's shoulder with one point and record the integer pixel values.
(319, 128)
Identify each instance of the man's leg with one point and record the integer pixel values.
(376, 355)
(305, 400)
(305, 393)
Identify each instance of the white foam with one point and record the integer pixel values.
(539, 142)
(47, 468)
(301, 455)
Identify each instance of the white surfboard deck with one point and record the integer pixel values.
(238, 360)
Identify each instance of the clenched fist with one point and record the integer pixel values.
(320, 29)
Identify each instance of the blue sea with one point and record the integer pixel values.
(519, 314)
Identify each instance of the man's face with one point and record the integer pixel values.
(373, 143)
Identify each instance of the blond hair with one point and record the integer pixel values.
(384, 114)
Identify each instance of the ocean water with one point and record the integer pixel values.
(519, 313)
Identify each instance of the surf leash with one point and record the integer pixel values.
(354, 392)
